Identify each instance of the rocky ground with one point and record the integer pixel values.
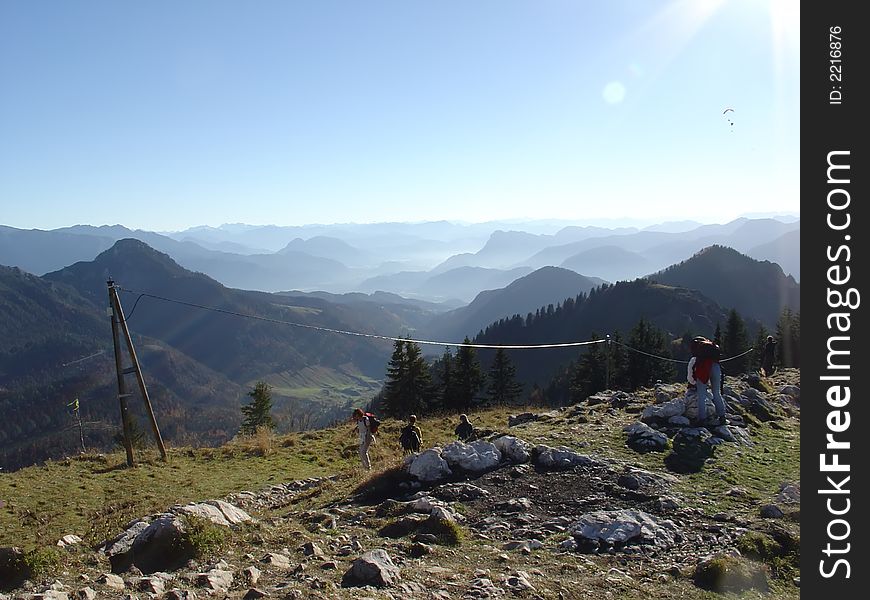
(618, 497)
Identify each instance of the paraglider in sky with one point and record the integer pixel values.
(730, 122)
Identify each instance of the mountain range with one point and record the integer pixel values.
(203, 344)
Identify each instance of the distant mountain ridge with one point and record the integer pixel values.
(756, 289)
(526, 294)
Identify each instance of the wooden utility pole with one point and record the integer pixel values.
(123, 394)
(118, 320)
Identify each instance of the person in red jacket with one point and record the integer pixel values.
(704, 370)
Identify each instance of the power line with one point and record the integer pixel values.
(78, 360)
(357, 333)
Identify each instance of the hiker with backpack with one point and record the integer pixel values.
(411, 438)
(704, 369)
(366, 426)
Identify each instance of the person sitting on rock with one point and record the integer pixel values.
(465, 430)
(411, 437)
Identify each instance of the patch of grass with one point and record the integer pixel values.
(41, 561)
(381, 485)
(203, 538)
(449, 533)
(778, 548)
(725, 574)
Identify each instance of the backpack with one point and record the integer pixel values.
(409, 439)
(374, 423)
(705, 349)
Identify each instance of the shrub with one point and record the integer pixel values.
(449, 533)
(42, 561)
(202, 537)
(730, 574)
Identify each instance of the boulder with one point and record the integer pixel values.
(69, 540)
(691, 404)
(429, 466)
(13, 568)
(372, 568)
(233, 514)
(161, 546)
(120, 549)
(680, 421)
(459, 491)
(771, 511)
(618, 528)
(203, 511)
(643, 438)
(526, 417)
(559, 458)
(791, 390)
(215, 580)
(664, 411)
(476, 458)
(514, 449)
(692, 446)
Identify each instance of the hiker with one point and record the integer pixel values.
(366, 436)
(465, 429)
(768, 356)
(704, 369)
(411, 437)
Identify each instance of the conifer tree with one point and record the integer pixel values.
(259, 412)
(735, 342)
(644, 370)
(408, 388)
(468, 377)
(590, 372)
(503, 386)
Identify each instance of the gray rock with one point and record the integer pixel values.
(519, 582)
(86, 593)
(150, 585)
(514, 449)
(664, 411)
(459, 491)
(643, 438)
(311, 549)
(692, 446)
(526, 417)
(429, 466)
(477, 457)
(254, 593)
(233, 514)
(179, 594)
(372, 568)
(679, 421)
(251, 575)
(771, 511)
(216, 580)
(483, 587)
(13, 568)
(51, 595)
(789, 493)
(278, 561)
(120, 549)
(203, 511)
(791, 390)
(623, 527)
(559, 458)
(69, 540)
(160, 546)
(111, 581)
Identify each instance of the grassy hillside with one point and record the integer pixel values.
(94, 496)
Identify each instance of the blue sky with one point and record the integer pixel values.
(163, 115)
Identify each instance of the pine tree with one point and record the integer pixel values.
(645, 370)
(259, 412)
(468, 377)
(503, 386)
(736, 342)
(590, 372)
(788, 334)
(409, 383)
